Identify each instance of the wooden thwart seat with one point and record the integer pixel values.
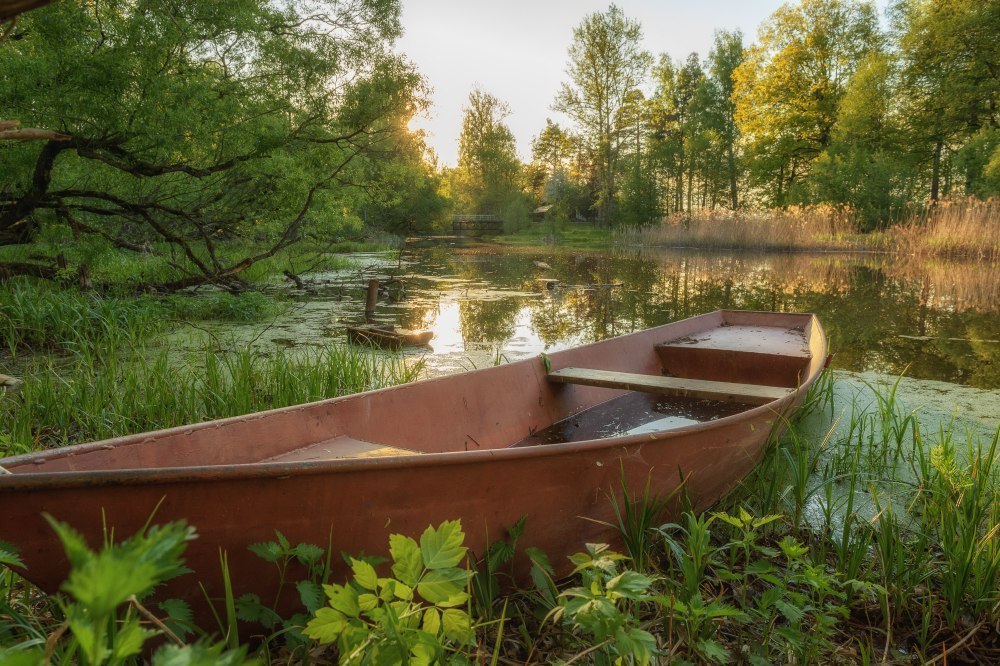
(751, 394)
(340, 447)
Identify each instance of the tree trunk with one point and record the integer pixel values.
(936, 172)
(731, 159)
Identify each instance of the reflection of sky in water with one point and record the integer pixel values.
(487, 304)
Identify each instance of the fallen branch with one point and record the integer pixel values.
(31, 134)
(11, 269)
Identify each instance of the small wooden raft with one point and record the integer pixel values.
(751, 394)
(388, 336)
(340, 447)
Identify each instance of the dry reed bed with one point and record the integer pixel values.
(794, 228)
(962, 229)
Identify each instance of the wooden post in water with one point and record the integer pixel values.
(371, 300)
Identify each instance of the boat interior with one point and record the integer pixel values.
(692, 371)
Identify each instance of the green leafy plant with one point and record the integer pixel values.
(486, 581)
(283, 554)
(413, 617)
(605, 607)
(103, 620)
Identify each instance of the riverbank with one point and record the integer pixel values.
(865, 535)
(966, 229)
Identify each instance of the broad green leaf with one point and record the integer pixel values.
(457, 626)
(201, 654)
(432, 621)
(88, 633)
(177, 616)
(442, 547)
(395, 589)
(307, 553)
(444, 587)
(629, 584)
(343, 598)
(643, 645)
(367, 602)
(407, 564)
(792, 613)
(29, 657)
(364, 574)
(424, 653)
(269, 551)
(712, 651)
(327, 626)
(103, 583)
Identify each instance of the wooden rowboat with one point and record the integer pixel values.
(389, 337)
(692, 400)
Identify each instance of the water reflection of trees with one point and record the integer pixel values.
(866, 303)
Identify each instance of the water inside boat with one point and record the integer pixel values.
(633, 414)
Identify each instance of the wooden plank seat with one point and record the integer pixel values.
(751, 394)
(342, 446)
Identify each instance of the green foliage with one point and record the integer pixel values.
(36, 319)
(103, 616)
(607, 65)
(486, 582)
(485, 181)
(413, 617)
(235, 136)
(605, 605)
(789, 88)
(104, 392)
(246, 307)
(287, 631)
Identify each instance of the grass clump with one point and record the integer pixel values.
(40, 318)
(100, 395)
(567, 234)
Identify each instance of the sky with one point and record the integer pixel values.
(516, 50)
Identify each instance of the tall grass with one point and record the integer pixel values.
(794, 228)
(40, 318)
(960, 228)
(910, 512)
(100, 394)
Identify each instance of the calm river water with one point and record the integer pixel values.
(487, 303)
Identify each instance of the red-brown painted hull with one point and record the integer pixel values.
(211, 475)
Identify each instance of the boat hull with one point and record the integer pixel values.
(353, 505)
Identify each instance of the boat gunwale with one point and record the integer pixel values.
(278, 470)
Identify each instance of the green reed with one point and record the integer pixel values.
(105, 393)
(38, 318)
(912, 515)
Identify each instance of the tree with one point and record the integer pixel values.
(866, 166)
(726, 55)
(192, 126)
(606, 65)
(950, 84)
(789, 87)
(487, 156)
